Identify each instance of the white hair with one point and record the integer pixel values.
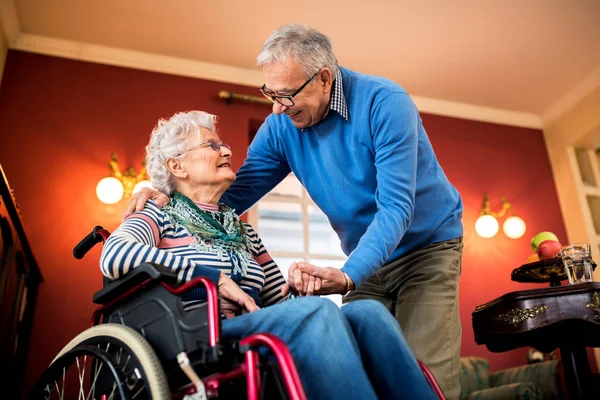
(311, 48)
(167, 140)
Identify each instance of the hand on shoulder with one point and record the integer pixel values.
(138, 201)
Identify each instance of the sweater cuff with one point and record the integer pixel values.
(358, 270)
(211, 273)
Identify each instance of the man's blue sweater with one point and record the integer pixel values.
(375, 176)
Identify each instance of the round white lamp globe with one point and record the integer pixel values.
(514, 227)
(486, 226)
(142, 184)
(109, 190)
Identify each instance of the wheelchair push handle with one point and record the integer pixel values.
(97, 235)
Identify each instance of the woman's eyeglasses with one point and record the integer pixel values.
(216, 146)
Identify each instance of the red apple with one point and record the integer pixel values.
(548, 249)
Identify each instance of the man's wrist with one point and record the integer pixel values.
(349, 284)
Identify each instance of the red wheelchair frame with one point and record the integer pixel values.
(116, 295)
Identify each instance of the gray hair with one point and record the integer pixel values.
(167, 140)
(310, 47)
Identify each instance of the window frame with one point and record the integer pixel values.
(305, 202)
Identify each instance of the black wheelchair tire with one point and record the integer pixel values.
(126, 338)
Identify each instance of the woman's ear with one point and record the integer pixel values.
(176, 168)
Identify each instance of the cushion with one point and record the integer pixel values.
(542, 374)
(513, 391)
(474, 375)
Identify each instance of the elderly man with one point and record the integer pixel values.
(357, 144)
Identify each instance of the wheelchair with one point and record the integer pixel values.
(143, 345)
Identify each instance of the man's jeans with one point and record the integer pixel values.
(356, 352)
(421, 290)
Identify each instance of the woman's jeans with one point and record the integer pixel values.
(356, 352)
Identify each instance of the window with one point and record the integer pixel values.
(585, 164)
(293, 228)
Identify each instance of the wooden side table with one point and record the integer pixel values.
(564, 317)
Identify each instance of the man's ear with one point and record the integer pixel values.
(176, 168)
(326, 79)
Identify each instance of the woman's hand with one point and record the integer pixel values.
(139, 200)
(229, 308)
(235, 296)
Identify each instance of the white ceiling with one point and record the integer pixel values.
(528, 56)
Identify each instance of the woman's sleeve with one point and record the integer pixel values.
(274, 280)
(135, 241)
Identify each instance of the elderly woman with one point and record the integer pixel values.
(356, 352)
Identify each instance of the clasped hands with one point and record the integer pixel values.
(305, 279)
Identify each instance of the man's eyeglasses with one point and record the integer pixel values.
(216, 146)
(285, 100)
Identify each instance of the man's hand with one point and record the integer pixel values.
(232, 293)
(327, 280)
(300, 283)
(139, 200)
(333, 279)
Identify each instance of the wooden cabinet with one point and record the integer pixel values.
(19, 281)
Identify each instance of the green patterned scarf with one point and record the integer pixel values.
(221, 232)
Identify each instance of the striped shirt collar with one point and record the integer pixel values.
(337, 101)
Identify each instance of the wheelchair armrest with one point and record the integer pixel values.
(143, 272)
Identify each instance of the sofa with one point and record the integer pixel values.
(529, 382)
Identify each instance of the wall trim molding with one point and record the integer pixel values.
(242, 76)
(574, 96)
(136, 59)
(477, 113)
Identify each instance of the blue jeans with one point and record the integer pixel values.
(356, 352)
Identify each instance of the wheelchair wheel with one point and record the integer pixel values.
(108, 362)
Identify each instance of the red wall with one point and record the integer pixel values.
(60, 120)
(500, 160)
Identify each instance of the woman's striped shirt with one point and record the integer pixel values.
(150, 236)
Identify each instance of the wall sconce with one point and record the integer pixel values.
(487, 223)
(113, 188)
